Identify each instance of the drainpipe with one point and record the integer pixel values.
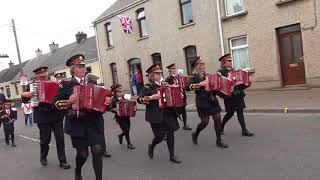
(98, 51)
(220, 27)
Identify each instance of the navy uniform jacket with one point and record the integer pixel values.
(44, 113)
(13, 115)
(154, 114)
(236, 101)
(206, 102)
(76, 127)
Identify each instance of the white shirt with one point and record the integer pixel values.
(27, 109)
(79, 79)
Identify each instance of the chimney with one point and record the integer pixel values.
(10, 64)
(53, 47)
(80, 36)
(38, 52)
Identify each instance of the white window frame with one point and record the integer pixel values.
(240, 47)
(226, 9)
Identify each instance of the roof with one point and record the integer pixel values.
(118, 5)
(57, 59)
(9, 73)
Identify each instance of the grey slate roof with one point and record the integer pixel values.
(119, 4)
(58, 58)
(9, 73)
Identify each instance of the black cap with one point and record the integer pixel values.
(115, 86)
(171, 65)
(154, 68)
(75, 59)
(197, 61)
(40, 69)
(222, 57)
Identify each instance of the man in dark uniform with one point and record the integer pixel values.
(86, 128)
(235, 102)
(171, 79)
(48, 119)
(8, 116)
(163, 122)
(2, 99)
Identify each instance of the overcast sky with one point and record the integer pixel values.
(41, 22)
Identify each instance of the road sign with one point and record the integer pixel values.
(23, 80)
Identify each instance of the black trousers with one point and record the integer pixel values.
(8, 131)
(45, 138)
(217, 125)
(159, 132)
(125, 125)
(183, 112)
(230, 113)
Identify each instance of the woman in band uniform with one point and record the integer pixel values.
(124, 122)
(163, 122)
(206, 103)
(236, 101)
(85, 130)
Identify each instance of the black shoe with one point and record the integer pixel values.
(120, 136)
(175, 159)
(106, 154)
(150, 151)
(44, 161)
(187, 128)
(222, 132)
(13, 145)
(221, 144)
(247, 133)
(7, 144)
(130, 146)
(78, 175)
(65, 165)
(194, 138)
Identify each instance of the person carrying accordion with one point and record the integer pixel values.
(123, 121)
(163, 122)
(86, 127)
(206, 102)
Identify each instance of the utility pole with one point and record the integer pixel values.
(17, 46)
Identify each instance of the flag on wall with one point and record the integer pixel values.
(126, 23)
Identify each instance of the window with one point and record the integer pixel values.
(156, 59)
(186, 11)
(17, 89)
(191, 54)
(113, 67)
(141, 18)
(109, 34)
(240, 53)
(8, 92)
(233, 7)
(2, 90)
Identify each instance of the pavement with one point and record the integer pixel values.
(268, 101)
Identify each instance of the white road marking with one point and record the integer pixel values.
(35, 140)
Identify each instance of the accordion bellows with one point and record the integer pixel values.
(240, 77)
(43, 92)
(90, 97)
(170, 96)
(126, 108)
(217, 82)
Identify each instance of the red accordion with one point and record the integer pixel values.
(170, 96)
(240, 77)
(217, 82)
(43, 92)
(90, 97)
(182, 81)
(126, 108)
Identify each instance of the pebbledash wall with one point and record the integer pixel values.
(166, 35)
(259, 22)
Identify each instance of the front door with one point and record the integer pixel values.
(291, 55)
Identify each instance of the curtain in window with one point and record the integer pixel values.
(234, 6)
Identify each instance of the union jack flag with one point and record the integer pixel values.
(126, 23)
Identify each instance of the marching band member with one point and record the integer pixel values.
(48, 119)
(124, 122)
(236, 101)
(87, 129)
(206, 103)
(171, 79)
(8, 116)
(163, 122)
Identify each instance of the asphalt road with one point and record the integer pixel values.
(285, 147)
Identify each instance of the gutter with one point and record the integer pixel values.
(99, 56)
(220, 28)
